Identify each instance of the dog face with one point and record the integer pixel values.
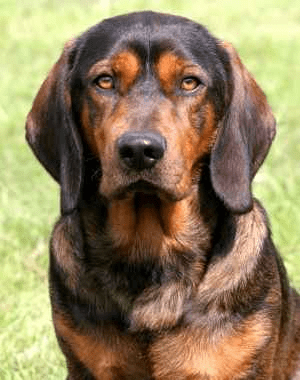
(148, 98)
(149, 109)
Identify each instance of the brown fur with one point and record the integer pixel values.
(165, 271)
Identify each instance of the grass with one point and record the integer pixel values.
(265, 32)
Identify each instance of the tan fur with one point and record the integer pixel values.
(236, 268)
(157, 229)
(227, 354)
(64, 253)
(99, 352)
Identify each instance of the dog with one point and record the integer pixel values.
(162, 265)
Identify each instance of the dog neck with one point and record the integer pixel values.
(146, 226)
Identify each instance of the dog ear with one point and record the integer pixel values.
(52, 134)
(244, 137)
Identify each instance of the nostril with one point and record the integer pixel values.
(153, 153)
(126, 152)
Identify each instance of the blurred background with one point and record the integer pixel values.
(266, 34)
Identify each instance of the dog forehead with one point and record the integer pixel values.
(148, 34)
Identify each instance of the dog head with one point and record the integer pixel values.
(138, 102)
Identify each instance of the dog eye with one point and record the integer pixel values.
(105, 82)
(190, 83)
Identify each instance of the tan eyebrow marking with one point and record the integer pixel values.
(127, 67)
(124, 65)
(168, 67)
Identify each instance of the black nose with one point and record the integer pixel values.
(141, 150)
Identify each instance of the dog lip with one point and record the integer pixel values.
(140, 186)
(146, 188)
(143, 187)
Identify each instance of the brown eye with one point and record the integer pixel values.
(190, 83)
(105, 82)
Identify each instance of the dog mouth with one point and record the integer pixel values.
(146, 191)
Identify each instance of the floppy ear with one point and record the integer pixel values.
(244, 137)
(52, 134)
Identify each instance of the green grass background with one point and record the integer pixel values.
(32, 33)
